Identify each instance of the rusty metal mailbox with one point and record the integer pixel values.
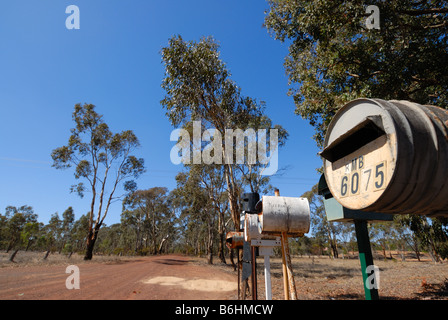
(285, 214)
(388, 156)
(235, 239)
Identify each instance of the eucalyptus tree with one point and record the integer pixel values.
(337, 54)
(199, 216)
(199, 88)
(101, 158)
(68, 219)
(15, 222)
(323, 230)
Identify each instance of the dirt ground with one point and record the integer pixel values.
(167, 277)
(176, 277)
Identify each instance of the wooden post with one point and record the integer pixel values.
(290, 273)
(285, 272)
(284, 268)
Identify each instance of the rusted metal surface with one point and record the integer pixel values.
(235, 240)
(389, 157)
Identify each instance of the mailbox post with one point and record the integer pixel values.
(249, 254)
(336, 212)
(384, 157)
(266, 224)
(277, 218)
(365, 258)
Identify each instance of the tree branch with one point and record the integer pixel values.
(423, 11)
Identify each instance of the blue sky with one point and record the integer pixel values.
(113, 61)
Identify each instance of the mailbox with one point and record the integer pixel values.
(234, 239)
(285, 214)
(389, 157)
(336, 212)
(252, 228)
(278, 215)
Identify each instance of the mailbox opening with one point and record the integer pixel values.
(366, 131)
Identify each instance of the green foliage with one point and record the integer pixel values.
(198, 87)
(18, 226)
(149, 217)
(96, 152)
(334, 58)
(432, 233)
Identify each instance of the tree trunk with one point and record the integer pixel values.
(13, 255)
(210, 246)
(232, 261)
(221, 245)
(46, 254)
(10, 245)
(91, 238)
(161, 244)
(28, 245)
(232, 195)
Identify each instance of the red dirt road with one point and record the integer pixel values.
(169, 277)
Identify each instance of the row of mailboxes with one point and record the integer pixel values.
(388, 157)
(277, 215)
(271, 217)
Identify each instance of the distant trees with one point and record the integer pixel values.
(405, 232)
(101, 158)
(189, 221)
(20, 230)
(19, 227)
(202, 201)
(149, 214)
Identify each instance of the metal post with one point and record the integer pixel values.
(254, 274)
(267, 277)
(238, 268)
(365, 257)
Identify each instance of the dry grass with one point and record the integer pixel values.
(26, 259)
(322, 278)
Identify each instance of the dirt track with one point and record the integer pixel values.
(169, 277)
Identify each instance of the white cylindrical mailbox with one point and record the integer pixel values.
(388, 156)
(285, 214)
(252, 228)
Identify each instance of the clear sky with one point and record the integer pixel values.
(113, 61)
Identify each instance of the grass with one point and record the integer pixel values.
(32, 258)
(323, 278)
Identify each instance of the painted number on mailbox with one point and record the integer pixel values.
(364, 180)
